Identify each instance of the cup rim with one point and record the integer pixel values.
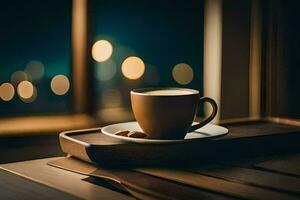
(141, 91)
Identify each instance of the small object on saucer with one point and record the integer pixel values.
(137, 134)
(133, 134)
(208, 131)
(122, 133)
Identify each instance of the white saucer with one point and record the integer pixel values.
(208, 131)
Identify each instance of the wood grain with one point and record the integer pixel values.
(288, 165)
(16, 187)
(215, 184)
(141, 185)
(68, 182)
(253, 177)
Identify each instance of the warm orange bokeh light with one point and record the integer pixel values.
(133, 67)
(25, 90)
(183, 73)
(102, 50)
(60, 84)
(7, 91)
(32, 98)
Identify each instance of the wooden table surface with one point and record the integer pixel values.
(35, 177)
(270, 169)
(277, 177)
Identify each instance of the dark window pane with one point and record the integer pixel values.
(153, 43)
(34, 48)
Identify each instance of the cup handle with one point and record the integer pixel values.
(209, 118)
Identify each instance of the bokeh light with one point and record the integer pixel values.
(183, 73)
(106, 70)
(32, 98)
(133, 67)
(111, 98)
(25, 90)
(35, 69)
(7, 91)
(102, 50)
(19, 76)
(60, 84)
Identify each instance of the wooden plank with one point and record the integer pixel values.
(39, 171)
(141, 185)
(161, 189)
(216, 185)
(82, 81)
(288, 165)
(15, 187)
(253, 177)
(260, 128)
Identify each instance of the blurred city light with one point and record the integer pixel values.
(32, 98)
(102, 50)
(133, 67)
(60, 84)
(25, 90)
(7, 91)
(183, 73)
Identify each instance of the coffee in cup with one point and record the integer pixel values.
(168, 113)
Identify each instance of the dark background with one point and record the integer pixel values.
(35, 30)
(161, 33)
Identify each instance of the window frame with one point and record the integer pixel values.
(81, 115)
(81, 90)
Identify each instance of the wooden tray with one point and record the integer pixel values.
(245, 139)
